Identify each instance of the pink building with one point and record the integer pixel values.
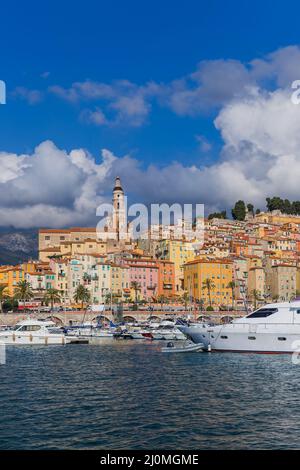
(144, 271)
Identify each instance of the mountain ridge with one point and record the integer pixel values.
(18, 245)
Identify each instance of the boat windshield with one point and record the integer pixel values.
(27, 328)
(16, 327)
(262, 313)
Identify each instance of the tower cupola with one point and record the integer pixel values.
(118, 186)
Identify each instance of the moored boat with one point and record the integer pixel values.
(34, 332)
(274, 328)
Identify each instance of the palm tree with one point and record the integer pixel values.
(23, 291)
(82, 295)
(3, 295)
(255, 294)
(111, 298)
(161, 299)
(209, 285)
(52, 296)
(185, 298)
(231, 285)
(136, 287)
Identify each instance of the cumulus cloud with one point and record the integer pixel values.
(260, 158)
(217, 82)
(212, 85)
(51, 187)
(257, 121)
(126, 103)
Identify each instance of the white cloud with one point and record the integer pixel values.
(11, 166)
(126, 103)
(204, 144)
(51, 187)
(260, 156)
(31, 96)
(96, 117)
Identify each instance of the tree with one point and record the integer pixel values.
(3, 295)
(250, 208)
(257, 211)
(231, 285)
(201, 304)
(239, 210)
(185, 298)
(296, 207)
(136, 287)
(275, 203)
(82, 295)
(23, 291)
(10, 304)
(111, 298)
(217, 215)
(284, 205)
(209, 285)
(52, 296)
(162, 299)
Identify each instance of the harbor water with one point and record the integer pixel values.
(128, 395)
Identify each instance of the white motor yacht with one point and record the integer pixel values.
(168, 333)
(274, 328)
(33, 332)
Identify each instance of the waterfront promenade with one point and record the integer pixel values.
(69, 317)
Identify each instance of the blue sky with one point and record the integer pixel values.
(142, 61)
(132, 40)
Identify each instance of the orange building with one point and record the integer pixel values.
(166, 278)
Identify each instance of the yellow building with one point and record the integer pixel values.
(84, 247)
(52, 238)
(10, 276)
(277, 218)
(119, 278)
(219, 272)
(256, 282)
(178, 252)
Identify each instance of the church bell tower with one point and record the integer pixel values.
(119, 216)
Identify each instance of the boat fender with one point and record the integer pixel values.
(209, 348)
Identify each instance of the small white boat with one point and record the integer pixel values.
(188, 347)
(34, 332)
(90, 333)
(167, 331)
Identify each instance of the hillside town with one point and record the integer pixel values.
(240, 264)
